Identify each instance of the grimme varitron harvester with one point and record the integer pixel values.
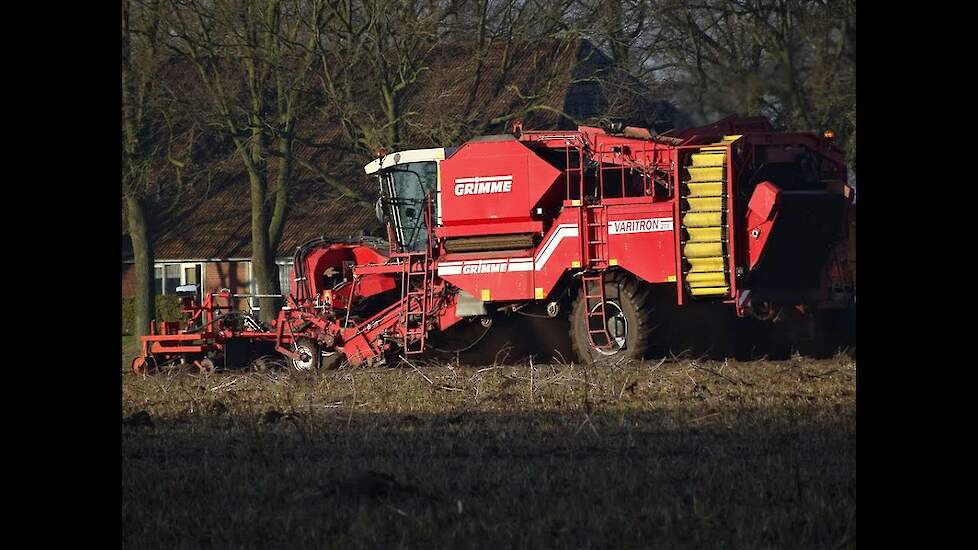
(610, 227)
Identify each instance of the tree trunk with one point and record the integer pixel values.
(263, 269)
(265, 273)
(144, 301)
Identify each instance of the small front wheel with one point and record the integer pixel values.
(309, 354)
(144, 364)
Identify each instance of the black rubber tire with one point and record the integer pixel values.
(311, 347)
(633, 297)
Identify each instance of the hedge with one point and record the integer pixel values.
(167, 309)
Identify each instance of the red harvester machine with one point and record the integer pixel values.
(617, 229)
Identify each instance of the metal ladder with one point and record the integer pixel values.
(576, 171)
(597, 324)
(415, 302)
(594, 221)
(595, 236)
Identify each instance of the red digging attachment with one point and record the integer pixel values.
(203, 337)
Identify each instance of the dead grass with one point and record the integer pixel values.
(676, 454)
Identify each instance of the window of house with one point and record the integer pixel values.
(284, 280)
(170, 276)
(284, 276)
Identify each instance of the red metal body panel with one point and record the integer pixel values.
(761, 214)
(484, 183)
(641, 240)
(498, 228)
(517, 276)
(497, 280)
(334, 256)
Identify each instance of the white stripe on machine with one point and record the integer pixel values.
(563, 230)
(472, 267)
(647, 225)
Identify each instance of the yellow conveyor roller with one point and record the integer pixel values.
(705, 173)
(700, 265)
(709, 159)
(705, 234)
(706, 189)
(705, 204)
(702, 250)
(709, 291)
(711, 278)
(702, 219)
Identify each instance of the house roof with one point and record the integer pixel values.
(570, 82)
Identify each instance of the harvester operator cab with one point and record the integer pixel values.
(407, 179)
(403, 192)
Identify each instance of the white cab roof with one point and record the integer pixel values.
(404, 157)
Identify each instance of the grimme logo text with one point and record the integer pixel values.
(485, 268)
(481, 185)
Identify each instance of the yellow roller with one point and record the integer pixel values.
(705, 203)
(702, 250)
(709, 291)
(705, 173)
(707, 189)
(709, 159)
(700, 265)
(705, 234)
(702, 219)
(711, 278)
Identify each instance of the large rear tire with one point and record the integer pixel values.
(629, 317)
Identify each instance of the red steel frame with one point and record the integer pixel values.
(168, 341)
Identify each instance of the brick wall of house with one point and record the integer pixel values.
(216, 275)
(231, 275)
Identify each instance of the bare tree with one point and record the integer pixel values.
(790, 60)
(374, 53)
(254, 60)
(141, 143)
